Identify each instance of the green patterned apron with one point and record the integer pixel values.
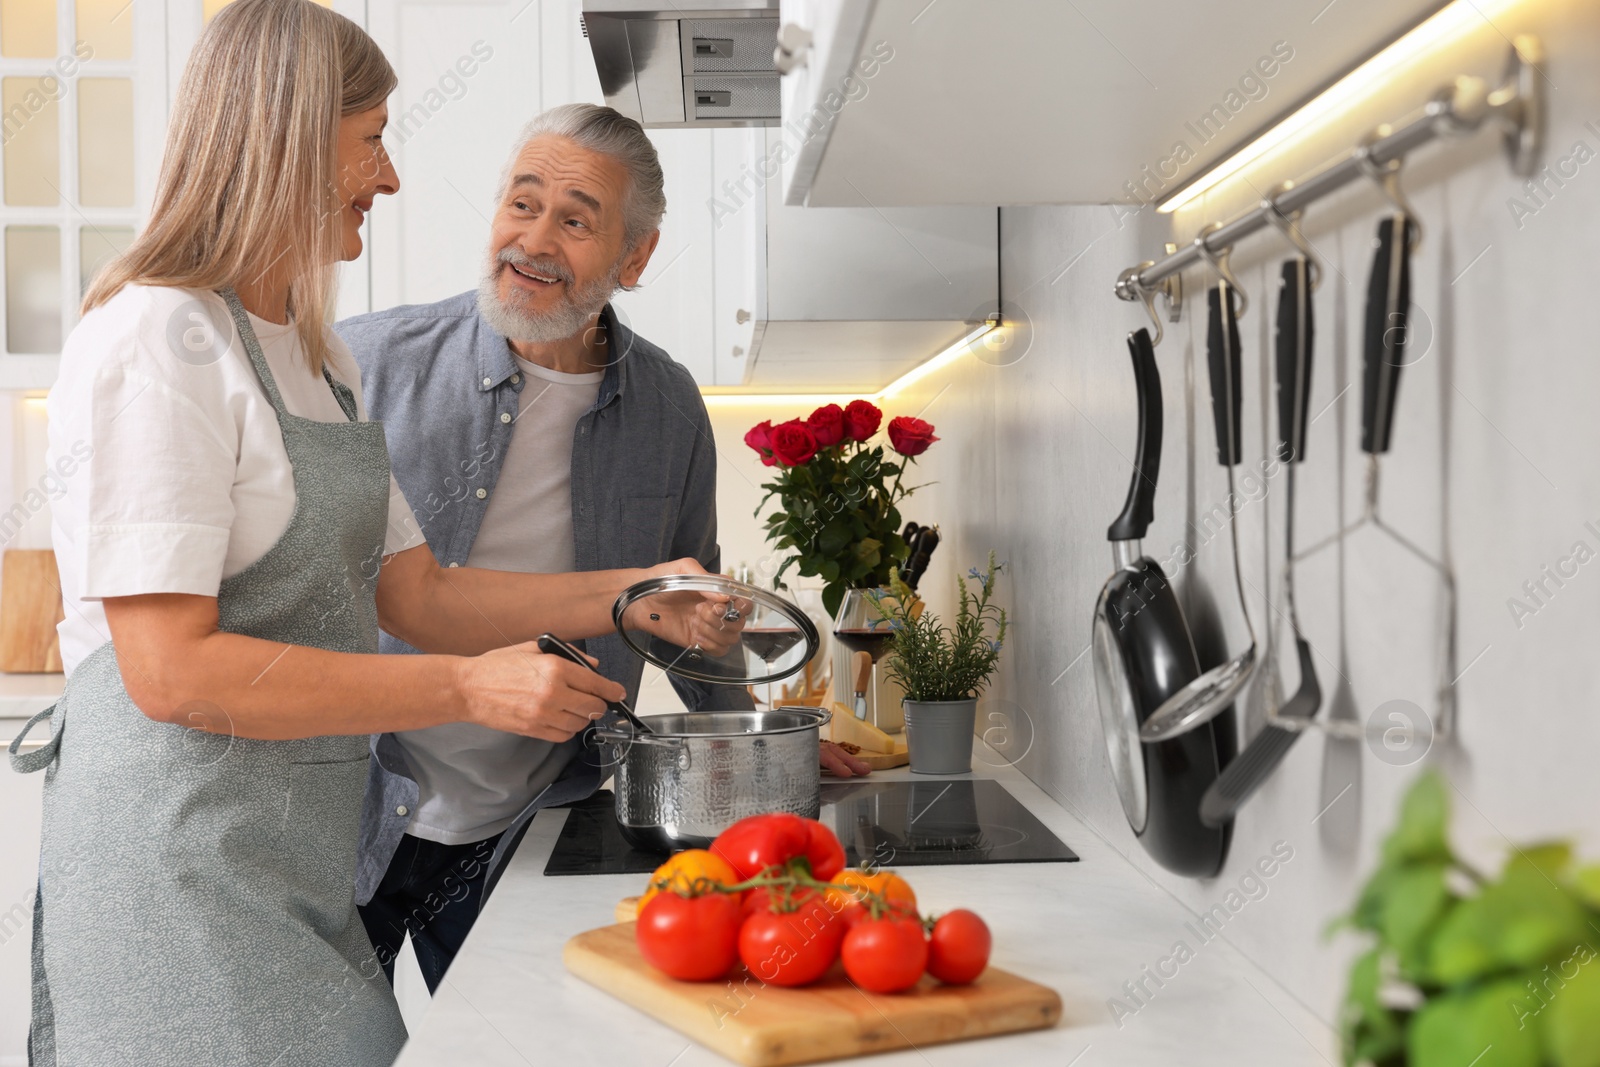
(196, 890)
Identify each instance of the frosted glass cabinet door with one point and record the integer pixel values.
(27, 29)
(105, 28)
(105, 142)
(33, 289)
(32, 141)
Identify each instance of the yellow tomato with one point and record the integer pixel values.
(684, 868)
(849, 887)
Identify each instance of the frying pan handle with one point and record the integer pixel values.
(1138, 510)
(1294, 339)
(1384, 342)
(1222, 354)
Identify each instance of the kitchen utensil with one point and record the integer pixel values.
(1214, 691)
(920, 555)
(30, 608)
(1261, 756)
(1386, 336)
(861, 670)
(551, 645)
(765, 1025)
(696, 773)
(775, 639)
(682, 779)
(1143, 653)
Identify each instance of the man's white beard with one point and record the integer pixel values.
(568, 319)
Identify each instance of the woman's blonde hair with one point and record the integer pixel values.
(247, 182)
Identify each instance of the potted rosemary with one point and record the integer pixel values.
(943, 668)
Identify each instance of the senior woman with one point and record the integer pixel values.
(229, 546)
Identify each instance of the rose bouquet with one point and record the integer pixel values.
(838, 493)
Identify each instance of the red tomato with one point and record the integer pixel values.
(692, 938)
(823, 852)
(885, 955)
(791, 948)
(958, 950)
(761, 841)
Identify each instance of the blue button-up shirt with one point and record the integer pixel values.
(644, 475)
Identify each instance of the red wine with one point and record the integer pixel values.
(874, 641)
(770, 642)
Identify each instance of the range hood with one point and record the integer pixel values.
(701, 66)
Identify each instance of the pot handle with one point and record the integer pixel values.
(614, 736)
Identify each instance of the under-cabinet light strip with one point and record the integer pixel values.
(1444, 28)
(909, 378)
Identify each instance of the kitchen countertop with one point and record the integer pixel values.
(22, 696)
(1083, 928)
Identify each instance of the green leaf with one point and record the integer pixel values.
(830, 571)
(835, 535)
(1473, 1028)
(1586, 883)
(866, 550)
(1409, 912)
(1370, 1031)
(1422, 832)
(833, 596)
(1571, 1021)
(1554, 858)
(1520, 921)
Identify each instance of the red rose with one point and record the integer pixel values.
(910, 436)
(827, 425)
(861, 420)
(793, 443)
(759, 437)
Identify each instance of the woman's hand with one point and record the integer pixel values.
(521, 690)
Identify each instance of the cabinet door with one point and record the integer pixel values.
(470, 78)
(739, 225)
(673, 306)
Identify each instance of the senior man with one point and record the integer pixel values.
(532, 432)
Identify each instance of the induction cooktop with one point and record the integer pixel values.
(889, 824)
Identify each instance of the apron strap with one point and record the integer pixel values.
(247, 334)
(241, 322)
(38, 760)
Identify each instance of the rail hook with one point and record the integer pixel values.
(1219, 263)
(1387, 177)
(1288, 224)
(1128, 283)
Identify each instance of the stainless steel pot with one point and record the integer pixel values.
(699, 772)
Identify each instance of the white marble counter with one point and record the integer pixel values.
(1084, 928)
(22, 696)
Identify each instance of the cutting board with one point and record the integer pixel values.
(883, 761)
(765, 1026)
(30, 607)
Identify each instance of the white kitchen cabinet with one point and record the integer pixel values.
(1039, 101)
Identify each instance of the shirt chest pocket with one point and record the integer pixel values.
(648, 521)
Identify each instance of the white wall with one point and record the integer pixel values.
(1495, 448)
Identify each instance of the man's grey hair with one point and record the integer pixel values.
(609, 132)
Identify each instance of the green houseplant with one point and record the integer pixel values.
(942, 669)
(1469, 968)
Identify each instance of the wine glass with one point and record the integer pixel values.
(861, 627)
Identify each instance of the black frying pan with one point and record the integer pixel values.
(1143, 653)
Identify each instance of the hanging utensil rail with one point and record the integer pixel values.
(1517, 106)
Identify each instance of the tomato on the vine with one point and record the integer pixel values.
(692, 938)
(958, 949)
(685, 869)
(755, 843)
(790, 948)
(885, 955)
(848, 894)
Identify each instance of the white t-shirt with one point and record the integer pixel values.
(175, 469)
(474, 781)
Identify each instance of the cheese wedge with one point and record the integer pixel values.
(846, 727)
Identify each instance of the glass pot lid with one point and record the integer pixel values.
(740, 635)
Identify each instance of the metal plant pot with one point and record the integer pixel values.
(699, 772)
